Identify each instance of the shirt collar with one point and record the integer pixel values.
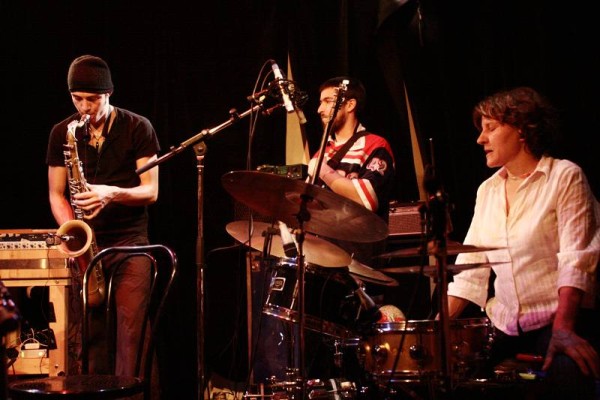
(543, 167)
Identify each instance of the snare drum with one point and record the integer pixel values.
(420, 349)
(330, 305)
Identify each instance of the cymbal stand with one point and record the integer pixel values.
(438, 214)
(303, 216)
(264, 264)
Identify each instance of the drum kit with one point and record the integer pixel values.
(319, 289)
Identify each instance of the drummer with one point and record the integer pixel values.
(543, 210)
(364, 172)
(357, 165)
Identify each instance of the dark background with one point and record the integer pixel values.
(184, 65)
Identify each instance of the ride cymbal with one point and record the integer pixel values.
(316, 251)
(368, 274)
(326, 213)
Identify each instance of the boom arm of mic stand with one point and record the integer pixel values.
(197, 138)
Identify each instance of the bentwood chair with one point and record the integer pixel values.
(92, 386)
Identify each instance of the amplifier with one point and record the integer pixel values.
(294, 171)
(29, 258)
(404, 219)
(29, 249)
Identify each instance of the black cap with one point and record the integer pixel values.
(89, 74)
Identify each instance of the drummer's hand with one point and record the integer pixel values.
(328, 174)
(456, 306)
(580, 350)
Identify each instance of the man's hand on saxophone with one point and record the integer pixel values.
(94, 200)
(96, 196)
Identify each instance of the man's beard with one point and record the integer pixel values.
(338, 123)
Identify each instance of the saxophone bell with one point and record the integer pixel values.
(75, 238)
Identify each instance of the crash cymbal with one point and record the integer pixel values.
(369, 274)
(452, 249)
(327, 213)
(316, 251)
(432, 270)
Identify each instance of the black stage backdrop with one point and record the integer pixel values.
(185, 64)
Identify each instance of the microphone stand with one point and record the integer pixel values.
(200, 150)
(304, 216)
(199, 138)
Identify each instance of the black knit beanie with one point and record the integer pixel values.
(89, 74)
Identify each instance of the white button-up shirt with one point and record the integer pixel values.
(550, 239)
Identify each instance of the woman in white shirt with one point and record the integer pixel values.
(541, 214)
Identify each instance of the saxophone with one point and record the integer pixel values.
(80, 243)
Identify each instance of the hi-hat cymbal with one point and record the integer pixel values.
(316, 251)
(369, 274)
(327, 213)
(452, 249)
(432, 270)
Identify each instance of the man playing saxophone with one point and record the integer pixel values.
(111, 146)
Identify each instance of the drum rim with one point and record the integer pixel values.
(429, 325)
(289, 262)
(312, 323)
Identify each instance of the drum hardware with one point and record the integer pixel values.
(290, 389)
(338, 355)
(331, 389)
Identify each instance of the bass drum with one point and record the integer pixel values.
(419, 347)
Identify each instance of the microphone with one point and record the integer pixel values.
(53, 239)
(287, 102)
(289, 246)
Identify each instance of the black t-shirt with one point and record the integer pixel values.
(131, 136)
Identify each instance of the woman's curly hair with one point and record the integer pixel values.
(528, 111)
